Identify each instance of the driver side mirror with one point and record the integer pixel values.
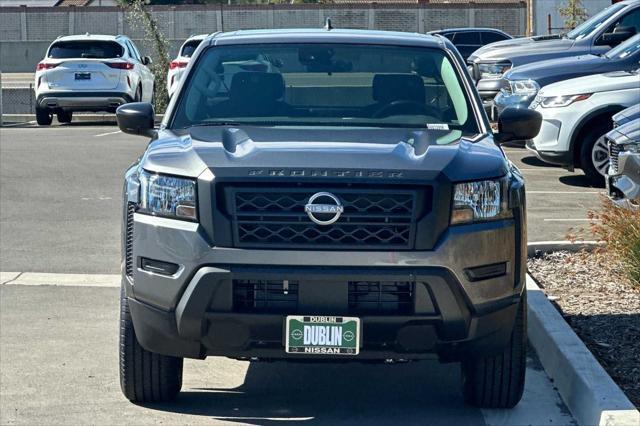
(146, 60)
(137, 118)
(518, 125)
(618, 35)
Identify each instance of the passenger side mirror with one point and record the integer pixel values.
(146, 60)
(137, 118)
(518, 125)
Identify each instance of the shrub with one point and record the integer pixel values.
(619, 229)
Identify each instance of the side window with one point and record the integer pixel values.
(491, 37)
(630, 20)
(129, 51)
(136, 54)
(449, 35)
(467, 38)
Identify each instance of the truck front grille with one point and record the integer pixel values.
(128, 240)
(614, 152)
(364, 297)
(372, 218)
(266, 296)
(380, 297)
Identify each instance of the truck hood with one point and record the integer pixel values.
(547, 72)
(617, 80)
(399, 155)
(524, 51)
(627, 115)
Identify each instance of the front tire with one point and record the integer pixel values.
(64, 117)
(43, 117)
(145, 376)
(498, 381)
(594, 155)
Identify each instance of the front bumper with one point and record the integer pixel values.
(193, 313)
(625, 184)
(83, 101)
(558, 158)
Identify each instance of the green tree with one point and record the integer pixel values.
(138, 15)
(573, 12)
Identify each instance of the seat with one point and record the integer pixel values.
(388, 88)
(255, 94)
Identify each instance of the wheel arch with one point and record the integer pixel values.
(598, 115)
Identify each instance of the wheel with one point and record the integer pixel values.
(43, 117)
(145, 376)
(64, 117)
(498, 381)
(594, 154)
(138, 97)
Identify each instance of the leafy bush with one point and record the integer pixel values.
(619, 229)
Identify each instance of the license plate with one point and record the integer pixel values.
(322, 335)
(83, 76)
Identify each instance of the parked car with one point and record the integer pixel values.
(362, 211)
(90, 73)
(626, 115)
(521, 84)
(623, 176)
(468, 40)
(577, 114)
(596, 36)
(178, 65)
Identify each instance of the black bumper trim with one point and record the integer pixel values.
(559, 158)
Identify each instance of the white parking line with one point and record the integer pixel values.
(565, 192)
(107, 134)
(18, 124)
(571, 220)
(64, 280)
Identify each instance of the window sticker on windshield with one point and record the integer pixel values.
(437, 126)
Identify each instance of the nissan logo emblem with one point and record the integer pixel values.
(332, 211)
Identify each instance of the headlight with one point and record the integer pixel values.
(524, 87)
(493, 70)
(562, 101)
(479, 201)
(167, 196)
(633, 148)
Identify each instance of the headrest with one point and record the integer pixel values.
(394, 87)
(260, 86)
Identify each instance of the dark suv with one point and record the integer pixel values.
(348, 203)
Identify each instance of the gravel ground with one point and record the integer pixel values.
(602, 307)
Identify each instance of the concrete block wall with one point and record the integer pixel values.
(25, 33)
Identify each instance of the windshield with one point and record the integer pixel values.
(86, 49)
(593, 23)
(325, 85)
(190, 47)
(625, 49)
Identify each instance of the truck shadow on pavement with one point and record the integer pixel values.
(273, 393)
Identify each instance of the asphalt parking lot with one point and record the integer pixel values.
(60, 213)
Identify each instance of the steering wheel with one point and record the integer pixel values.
(406, 105)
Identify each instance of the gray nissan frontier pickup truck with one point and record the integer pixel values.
(324, 195)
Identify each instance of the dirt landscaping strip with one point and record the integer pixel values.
(601, 305)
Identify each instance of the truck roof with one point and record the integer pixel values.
(326, 36)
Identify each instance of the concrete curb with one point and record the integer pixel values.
(543, 247)
(585, 387)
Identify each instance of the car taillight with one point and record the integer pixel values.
(120, 65)
(178, 64)
(45, 66)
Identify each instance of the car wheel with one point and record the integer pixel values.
(594, 154)
(43, 117)
(64, 117)
(138, 97)
(498, 381)
(145, 376)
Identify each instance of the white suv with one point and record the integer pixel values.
(577, 114)
(178, 65)
(90, 73)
